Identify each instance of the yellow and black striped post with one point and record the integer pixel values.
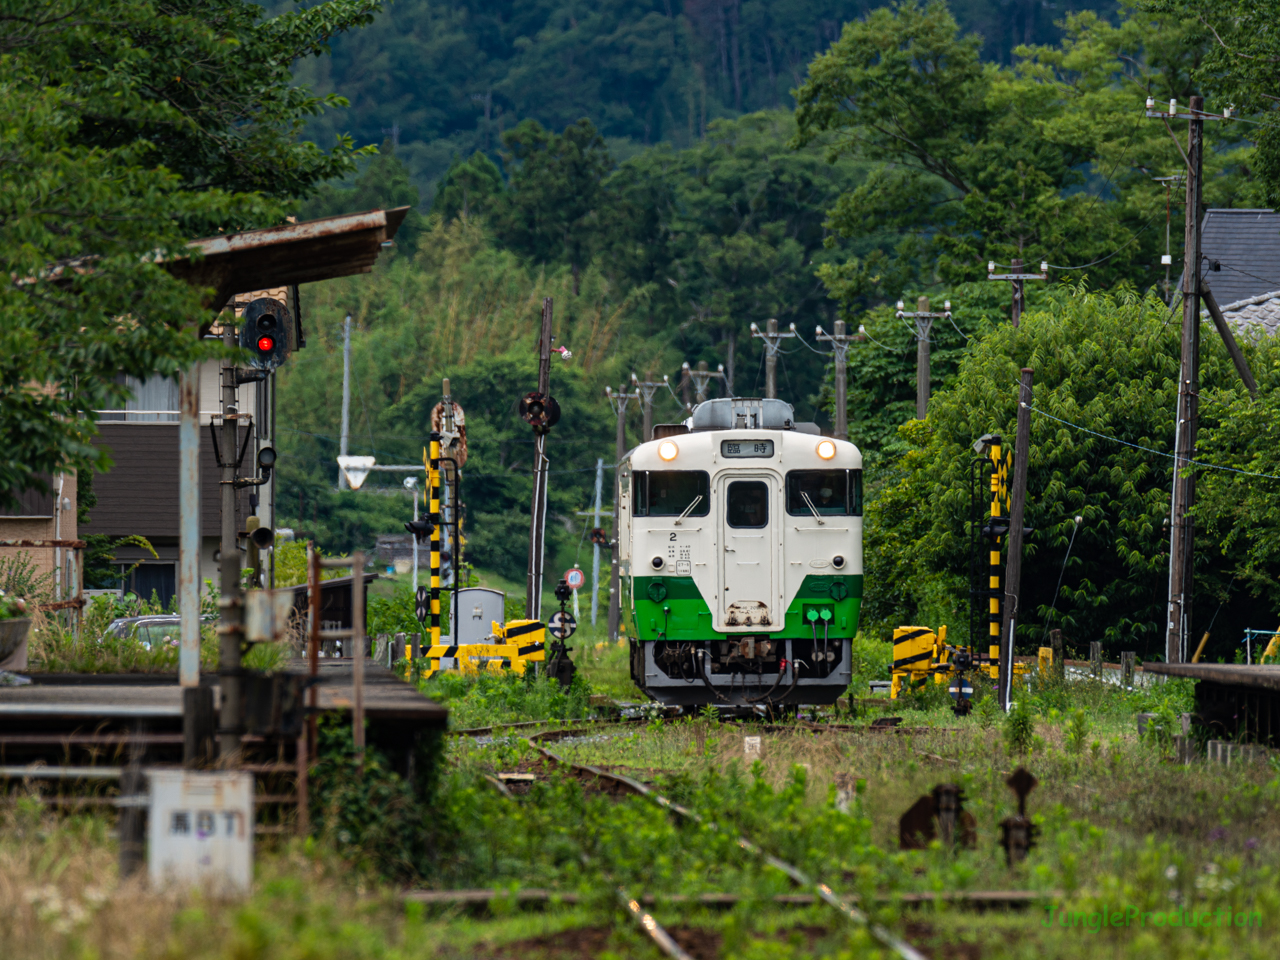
(994, 618)
(433, 514)
(999, 497)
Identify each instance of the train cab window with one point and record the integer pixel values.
(829, 492)
(748, 503)
(669, 493)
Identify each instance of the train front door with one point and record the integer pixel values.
(748, 591)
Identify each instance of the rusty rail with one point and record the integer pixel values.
(797, 876)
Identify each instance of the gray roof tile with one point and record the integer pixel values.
(1246, 244)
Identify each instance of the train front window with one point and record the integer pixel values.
(669, 493)
(829, 493)
(748, 504)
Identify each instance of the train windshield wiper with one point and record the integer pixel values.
(696, 500)
(817, 516)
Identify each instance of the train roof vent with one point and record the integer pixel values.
(746, 413)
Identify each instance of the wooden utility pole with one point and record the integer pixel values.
(231, 613)
(646, 389)
(538, 513)
(1018, 277)
(1182, 524)
(1017, 510)
(840, 352)
(700, 377)
(924, 327)
(772, 341)
(619, 403)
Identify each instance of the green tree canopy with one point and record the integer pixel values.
(383, 184)
(983, 163)
(468, 188)
(1101, 438)
(551, 213)
(129, 128)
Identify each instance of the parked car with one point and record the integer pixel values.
(152, 629)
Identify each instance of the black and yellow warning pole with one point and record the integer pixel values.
(995, 617)
(433, 515)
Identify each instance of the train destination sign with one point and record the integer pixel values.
(746, 448)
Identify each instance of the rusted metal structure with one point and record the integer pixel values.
(1233, 701)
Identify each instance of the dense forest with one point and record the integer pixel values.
(906, 154)
(444, 78)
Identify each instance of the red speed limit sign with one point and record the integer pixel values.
(575, 578)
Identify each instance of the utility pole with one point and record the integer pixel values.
(646, 389)
(730, 359)
(619, 403)
(231, 619)
(595, 547)
(686, 387)
(840, 350)
(772, 339)
(538, 513)
(1017, 510)
(701, 377)
(1017, 277)
(595, 544)
(1181, 522)
(1166, 259)
(343, 483)
(924, 326)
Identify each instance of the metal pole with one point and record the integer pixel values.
(923, 328)
(414, 497)
(230, 627)
(313, 639)
(346, 399)
(358, 645)
(1181, 523)
(595, 547)
(1017, 509)
(189, 527)
(538, 510)
(620, 451)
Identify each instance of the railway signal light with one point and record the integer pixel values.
(599, 536)
(540, 411)
(264, 332)
(421, 529)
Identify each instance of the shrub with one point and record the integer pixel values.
(1019, 726)
(1077, 733)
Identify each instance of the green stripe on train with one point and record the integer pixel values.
(672, 608)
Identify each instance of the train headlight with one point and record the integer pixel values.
(826, 449)
(667, 450)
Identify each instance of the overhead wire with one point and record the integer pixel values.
(1184, 460)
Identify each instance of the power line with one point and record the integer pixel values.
(1161, 453)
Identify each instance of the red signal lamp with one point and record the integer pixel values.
(266, 344)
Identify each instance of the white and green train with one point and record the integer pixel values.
(740, 551)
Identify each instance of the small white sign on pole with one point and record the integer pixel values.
(266, 615)
(356, 469)
(200, 830)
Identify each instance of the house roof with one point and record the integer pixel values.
(1253, 316)
(289, 254)
(1246, 246)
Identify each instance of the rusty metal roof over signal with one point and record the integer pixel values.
(289, 254)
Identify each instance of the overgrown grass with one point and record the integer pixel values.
(55, 648)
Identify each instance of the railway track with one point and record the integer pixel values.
(620, 784)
